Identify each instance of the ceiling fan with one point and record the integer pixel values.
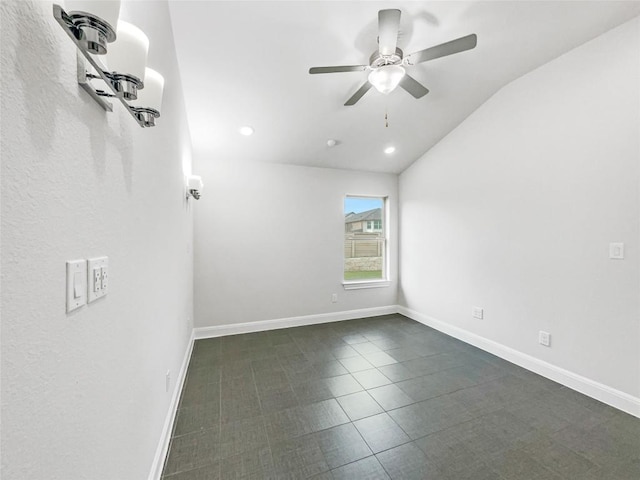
(387, 64)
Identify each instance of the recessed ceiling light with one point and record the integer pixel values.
(389, 150)
(246, 130)
(331, 143)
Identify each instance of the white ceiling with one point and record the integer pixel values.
(246, 63)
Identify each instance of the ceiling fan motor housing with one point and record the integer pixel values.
(377, 60)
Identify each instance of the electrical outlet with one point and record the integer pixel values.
(104, 275)
(97, 269)
(167, 381)
(334, 298)
(478, 312)
(544, 338)
(616, 251)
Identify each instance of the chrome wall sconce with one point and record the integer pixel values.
(194, 186)
(147, 106)
(123, 75)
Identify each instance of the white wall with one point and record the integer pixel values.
(270, 240)
(515, 209)
(83, 394)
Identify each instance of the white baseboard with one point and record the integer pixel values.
(165, 437)
(617, 399)
(278, 323)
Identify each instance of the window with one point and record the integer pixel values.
(365, 242)
(374, 226)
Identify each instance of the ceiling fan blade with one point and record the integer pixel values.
(388, 25)
(345, 68)
(414, 87)
(358, 95)
(444, 49)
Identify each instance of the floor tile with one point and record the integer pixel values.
(208, 472)
(323, 415)
(371, 378)
(517, 465)
(366, 347)
(390, 397)
(433, 385)
(341, 445)
(344, 351)
(286, 424)
(312, 391)
(353, 339)
(298, 458)
(192, 451)
(423, 418)
(241, 436)
(253, 464)
(198, 417)
(558, 458)
(359, 405)
(242, 404)
(379, 359)
(403, 354)
(267, 381)
(397, 372)
(330, 369)
(355, 364)
(407, 462)
(199, 393)
(342, 385)
(276, 400)
(386, 344)
(365, 469)
(381, 432)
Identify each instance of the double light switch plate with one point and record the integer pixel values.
(87, 280)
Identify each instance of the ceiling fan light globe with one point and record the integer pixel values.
(386, 78)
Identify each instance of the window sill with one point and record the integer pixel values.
(365, 284)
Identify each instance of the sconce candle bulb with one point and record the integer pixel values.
(127, 60)
(149, 102)
(94, 22)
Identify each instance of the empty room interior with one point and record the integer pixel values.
(320, 239)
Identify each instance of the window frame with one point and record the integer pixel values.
(377, 282)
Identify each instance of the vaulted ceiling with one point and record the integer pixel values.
(246, 63)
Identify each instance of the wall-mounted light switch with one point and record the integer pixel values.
(97, 268)
(76, 284)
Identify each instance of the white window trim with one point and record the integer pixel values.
(382, 282)
(358, 285)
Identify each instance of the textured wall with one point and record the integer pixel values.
(515, 209)
(255, 227)
(83, 394)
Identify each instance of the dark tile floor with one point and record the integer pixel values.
(381, 398)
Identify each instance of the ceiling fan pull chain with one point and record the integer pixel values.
(386, 120)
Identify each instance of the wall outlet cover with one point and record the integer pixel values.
(544, 338)
(616, 251)
(97, 270)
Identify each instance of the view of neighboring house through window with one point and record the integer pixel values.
(364, 238)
